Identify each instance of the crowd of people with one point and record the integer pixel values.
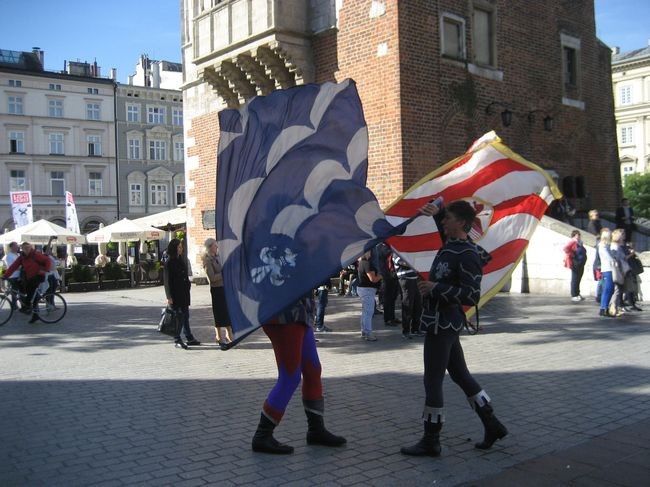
(616, 266)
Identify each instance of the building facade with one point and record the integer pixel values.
(631, 81)
(57, 134)
(150, 150)
(432, 76)
(157, 74)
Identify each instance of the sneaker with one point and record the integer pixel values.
(581, 298)
(180, 345)
(576, 299)
(322, 329)
(370, 337)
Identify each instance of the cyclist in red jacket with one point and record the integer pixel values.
(35, 265)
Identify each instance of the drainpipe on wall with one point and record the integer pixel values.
(117, 153)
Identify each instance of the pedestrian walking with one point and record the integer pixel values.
(369, 282)
(212, 267)
(177, 290)
(607, 263)
(322, 293)
(575, 257)
(411, 299)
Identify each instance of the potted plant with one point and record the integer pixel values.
(114, 277)
(82, 278)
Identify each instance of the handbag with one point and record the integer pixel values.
(168, 324)
(636, 266)
(617, 274)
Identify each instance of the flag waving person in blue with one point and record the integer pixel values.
(292, 208)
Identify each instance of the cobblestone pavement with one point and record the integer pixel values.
(103, 399)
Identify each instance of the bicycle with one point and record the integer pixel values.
(50, 307)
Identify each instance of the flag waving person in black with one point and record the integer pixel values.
(454, 282)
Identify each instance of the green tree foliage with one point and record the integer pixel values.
(637, 190)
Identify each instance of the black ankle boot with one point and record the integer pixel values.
(316, 432)
(429, 444)
(264, 442)
(494, 430)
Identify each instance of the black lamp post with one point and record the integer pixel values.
(547, 120)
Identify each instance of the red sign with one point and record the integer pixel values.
(22, 197)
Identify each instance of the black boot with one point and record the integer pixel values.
(316, 432)
(494, 430)
(264, 442)
(429, 444)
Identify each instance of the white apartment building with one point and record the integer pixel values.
(57, 134)
(153, 73)
(631, 82)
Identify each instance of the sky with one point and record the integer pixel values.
(116, 32)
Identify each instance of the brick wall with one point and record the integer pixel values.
(202, 191)
(356, 44)
(423, 110)
(443, 105)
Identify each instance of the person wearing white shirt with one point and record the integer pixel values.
(14, 278)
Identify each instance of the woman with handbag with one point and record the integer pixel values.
(212, 267)
(177, 290)
(607, 266)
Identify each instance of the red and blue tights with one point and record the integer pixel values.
(296, 356)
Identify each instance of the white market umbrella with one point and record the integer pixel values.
(40, 232)
(124, 231)
(165, 219)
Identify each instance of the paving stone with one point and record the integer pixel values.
(105, 396)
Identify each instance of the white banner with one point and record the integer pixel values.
(71, 220)
(21, 208)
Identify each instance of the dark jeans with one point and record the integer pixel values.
(391, 290)
(576, 277)
(411, 305)
(183, 316)
(30, 288)
(443, 352)
(321, 303)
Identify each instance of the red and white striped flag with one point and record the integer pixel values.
(509, 193)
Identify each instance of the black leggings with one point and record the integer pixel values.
(442, 351)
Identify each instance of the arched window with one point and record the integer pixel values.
(90, 226)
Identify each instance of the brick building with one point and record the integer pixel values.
(432, 76)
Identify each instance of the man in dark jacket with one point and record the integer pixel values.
(625, 218)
